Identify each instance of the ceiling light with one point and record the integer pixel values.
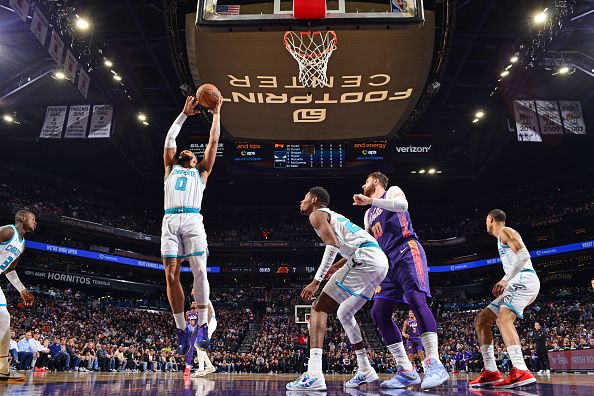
(108, 63)
(431, 171)
(413, 171)
(508, 67)
(117, 78)
(82, 24)
(8, 118)
(59, 75)
(145, 123)
(504, 73)
(563, 70)
(480, 114)
(422, 171)
(475, 120)
(141, 117)
(514, 59)
(438, 171)
(541, 17)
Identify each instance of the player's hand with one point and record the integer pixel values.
(499, 287)
(361, 200)
(217, 109)
(27, 297)
(405, 336)
(310, 290)
(190, 106)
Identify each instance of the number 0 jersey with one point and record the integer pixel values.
(184, 189)
(10, 250)
(349, 235)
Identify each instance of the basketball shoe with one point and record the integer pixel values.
(308, 382)
(485, 379)
(435, 374)
(361, 378)
(402, 379)
(514, 379)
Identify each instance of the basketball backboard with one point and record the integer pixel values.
(375, 75)
(233, 12)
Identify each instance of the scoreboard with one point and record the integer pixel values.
(288, 158)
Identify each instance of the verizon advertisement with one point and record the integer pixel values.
(572, 360)
(375, 78)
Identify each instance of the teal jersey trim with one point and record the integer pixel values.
(528, 270)
(352, 293)
(3, 305)
(369, 245)
(181, 210)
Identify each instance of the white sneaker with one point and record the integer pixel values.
(540, 372)
(308, 382)
(198, 374)
(210, 370)
(547, 372)
(12, 376)
(362, 378)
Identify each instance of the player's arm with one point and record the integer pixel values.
(395, 200)
(14, 280)
(170, 148)
(210, 153)
(404, 329)
(512, 239)
(319, 221)
(366, 222)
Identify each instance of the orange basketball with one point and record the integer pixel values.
(208, 96)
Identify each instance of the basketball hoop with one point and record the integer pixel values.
(312, 51)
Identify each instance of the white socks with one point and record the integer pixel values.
(515, 354)
(429, 340)
(202, 316)
(488, 353)
(399, 353)
(362, 361)
(180, 320)
(314, 366)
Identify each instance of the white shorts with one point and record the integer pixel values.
(520, 292)
(360, 276)
(3, 304)
(183, 235)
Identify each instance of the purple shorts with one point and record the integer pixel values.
(408, 271)
(413, 345)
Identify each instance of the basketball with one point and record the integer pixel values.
(208, 96)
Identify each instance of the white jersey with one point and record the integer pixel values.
(10, 250)
(350, 236)
(184, 189)
(508, 258)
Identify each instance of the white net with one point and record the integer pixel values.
(311, 50)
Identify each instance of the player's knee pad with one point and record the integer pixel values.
(346, 316)
(201, 288)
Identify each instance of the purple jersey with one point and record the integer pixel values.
(413, 329)
(390, 229)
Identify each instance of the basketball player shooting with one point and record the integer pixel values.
(182, 234)
(517, 289)
(12, 244)
(389, 222)
(362, 268)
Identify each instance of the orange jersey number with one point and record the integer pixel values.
(377, 230)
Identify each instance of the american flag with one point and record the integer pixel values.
(228, 9)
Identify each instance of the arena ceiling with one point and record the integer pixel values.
(133, 34)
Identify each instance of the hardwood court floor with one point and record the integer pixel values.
(132, 384)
